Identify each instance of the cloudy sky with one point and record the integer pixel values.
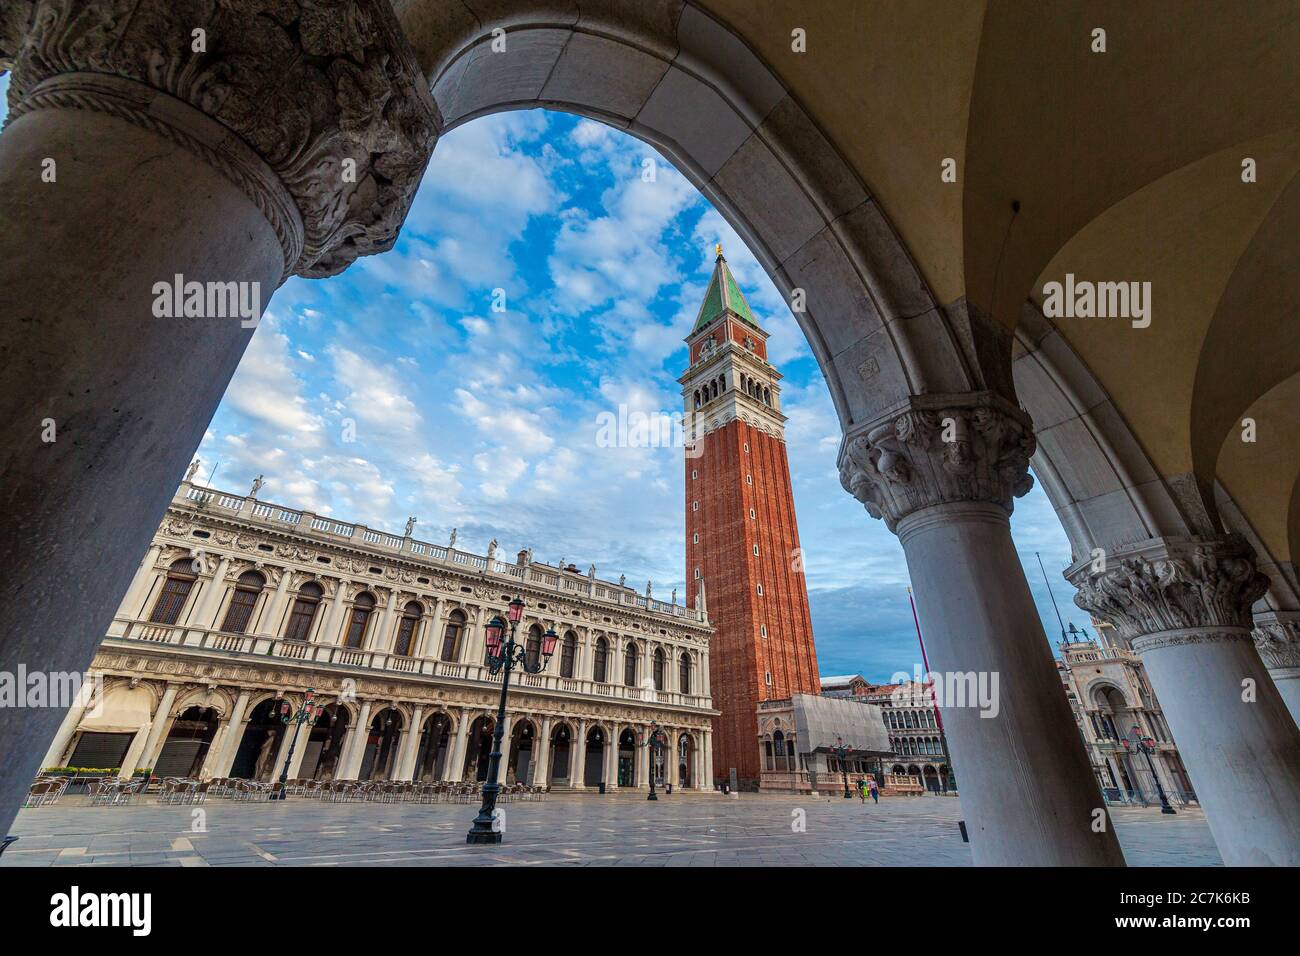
(398, 389)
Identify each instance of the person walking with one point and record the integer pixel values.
(875, 790)
(862, 790)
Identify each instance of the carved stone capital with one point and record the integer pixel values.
(939, 449)
(1171, 584)
(1277, 635)
(332, 122)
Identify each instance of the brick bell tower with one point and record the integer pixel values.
(742, 543)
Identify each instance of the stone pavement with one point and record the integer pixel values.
(575, 830)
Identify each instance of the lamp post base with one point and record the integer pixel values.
(477, 836)
(1168, 809)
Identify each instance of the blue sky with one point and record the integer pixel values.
(486, 420)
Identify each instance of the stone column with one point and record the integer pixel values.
(410, 741)
(1277, 636)
(456, 771)
(331, 631)
(578, 757)
(429, 640)
(230, 740)
(644, 765)
(303, 733)
(291, 146)
(541, 772)
(706, 761)
(162, 722)
(269, 626)
(206, 615)
(71, 720)
(382, 639)
(135, 750)
(611, 758)
(358, 734)
(942, 472)
(133, 604)
(1183, 605)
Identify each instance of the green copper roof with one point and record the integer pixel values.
(722, 295)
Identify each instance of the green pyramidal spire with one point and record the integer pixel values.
(723, 295)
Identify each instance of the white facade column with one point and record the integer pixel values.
(205, 616)
(540, 772)
(142, 584)
(302, 733)
(331, 631)
(611, 758)
(1184, 607)
(1277, 637)
(355, 748)
(429, 640)
(943, 473)
(54, 756)
(410, 741)
(269, 626)
(457, 768)
(578, 757)
(473, 639)
(161, 724)
(134, 751)
(229, 742)
(706, 775)
(643, 763)
(382, 638)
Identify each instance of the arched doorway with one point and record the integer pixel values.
(260, 743)
(931, 779)
(685, 761)
(435, 748)
(478, 749)
(380, 758)
(627, 759)
(593, 772)
(187, 743)
(561, 756)
(521, 750)
(324, 745)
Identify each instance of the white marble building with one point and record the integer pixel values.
(1110, 695)
(241, 604)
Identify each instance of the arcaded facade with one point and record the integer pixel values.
(241, 604)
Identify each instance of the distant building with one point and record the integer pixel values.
(798, 740)
(1110, 695)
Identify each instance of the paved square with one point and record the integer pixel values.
(569, 830)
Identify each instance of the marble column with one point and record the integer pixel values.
(382, 639)
(355, 750)
(611, 758)
(1277, 637)
(162, 722)
(269, 625)
(230, 740)
(578, 757)
(331, 628)
(942, 471)
(644, 763)
(59, 745)
(456, 771)
(292, 145)
(1183, 605)
(410, 741)
(706, 775)
(206, 615)
(541, 769)
(133, 604)
(302, 733)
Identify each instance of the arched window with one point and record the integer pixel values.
(911, 719)
(659, 668)
(247, 588)
(684, 674)
(360, 617)
(629, 665)
(697, 398)
(533, 646)
(767, 396)
(451, 636)
(568, 654)
(601, 662)
(304, 612)
(411, 614)
(175, 591)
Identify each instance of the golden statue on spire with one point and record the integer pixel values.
(718, 250)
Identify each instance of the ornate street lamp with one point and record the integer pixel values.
(309, 710)
(1147, 745)
(656, 740)
(504, 654)
(843, 752)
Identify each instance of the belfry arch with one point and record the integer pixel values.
(916, 345)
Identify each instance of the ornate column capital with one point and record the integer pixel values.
(1172, 584)
(332, 122)
(939, 449)
(1277, 635)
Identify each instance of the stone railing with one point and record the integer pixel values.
(319, 526)
(334, 655)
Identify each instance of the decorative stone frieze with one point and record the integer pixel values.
(1278, 640)
(939, 449)
(333, 122)
(1204, 586)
